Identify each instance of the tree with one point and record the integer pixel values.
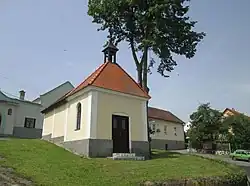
(206, 124)
(238, 131)
(159, 27)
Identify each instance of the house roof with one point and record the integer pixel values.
(155, 113)
(108, 76)
(8, 99)
(65, 83)
(233, 111)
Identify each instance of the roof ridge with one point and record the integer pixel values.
(58, 86)
(157, 115)
(133, 80)
(97, 71)
(160, 109)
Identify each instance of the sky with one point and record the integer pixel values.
(44, 43)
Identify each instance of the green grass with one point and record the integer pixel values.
(47, 164)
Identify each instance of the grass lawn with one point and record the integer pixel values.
(47, 164)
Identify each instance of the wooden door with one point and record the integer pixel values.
(120, 134)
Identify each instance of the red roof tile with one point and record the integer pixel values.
(233, 111)
(154, 113)
(112, 77)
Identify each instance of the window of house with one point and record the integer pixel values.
(165, 129)
(78, 117)
(175, 131)
(29, 122)
(153, 127)
(10, 112)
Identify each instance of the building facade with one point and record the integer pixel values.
(20, 118)
(168, 130)
(105, 114)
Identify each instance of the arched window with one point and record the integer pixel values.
(9, 111)
(78, 117)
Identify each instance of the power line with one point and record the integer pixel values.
(19, 84)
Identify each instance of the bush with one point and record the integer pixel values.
(237, 179)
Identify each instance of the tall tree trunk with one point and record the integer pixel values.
(145, 87)
(139, 74)
(145, 69)
(142, 73)
(137, 63)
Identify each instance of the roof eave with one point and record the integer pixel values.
(152, 117)
(52, 107)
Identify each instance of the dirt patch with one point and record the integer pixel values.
(9, 178)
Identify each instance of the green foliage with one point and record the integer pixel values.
(161, 27)
(205, 125)
(239, 127)
(208, 124)
(149, 26)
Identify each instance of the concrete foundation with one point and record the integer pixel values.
(57, 139)
(47, 137)
(103, 147)
(170, 144)
(140, 148)
(22, 132)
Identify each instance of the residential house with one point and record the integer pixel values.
(230, 112)
(168, 130)
(53, 95)
(19, 117)
(105, 114)
(23, 118)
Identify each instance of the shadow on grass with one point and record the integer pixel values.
(165, 154)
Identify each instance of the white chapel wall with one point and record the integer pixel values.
(48, 123)
(84, 132)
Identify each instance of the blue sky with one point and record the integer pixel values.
(34, 35)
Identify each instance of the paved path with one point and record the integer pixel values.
(244, 164)
(9, 178)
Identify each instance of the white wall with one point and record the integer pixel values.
(7, 120)
(59, 121)
(30, 110)
(48, 123)
(71, 115)
(170, 135)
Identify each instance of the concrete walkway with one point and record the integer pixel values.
(243, 164)
(9, 178)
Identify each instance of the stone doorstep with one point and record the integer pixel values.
(123, 154)
(136, 158)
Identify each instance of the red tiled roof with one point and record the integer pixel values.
(233, 111)
(112, 77)
(155, 113)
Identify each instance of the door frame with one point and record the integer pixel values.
(129, 126)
